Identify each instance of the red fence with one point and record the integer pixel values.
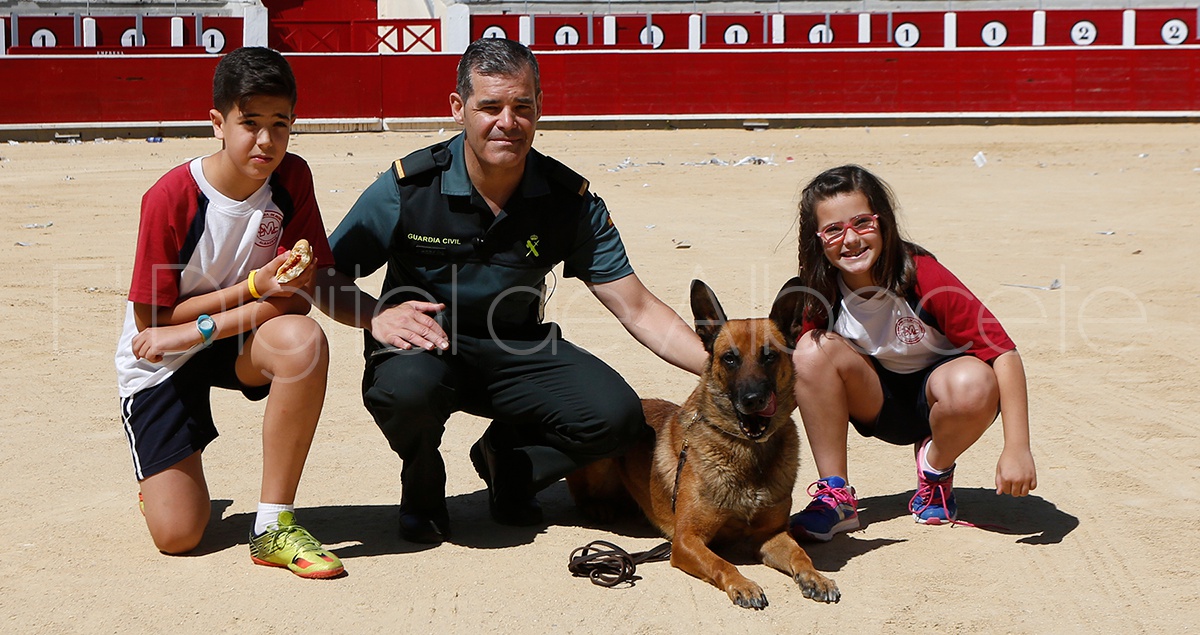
(56, 34)
(1061, 80)
(356, 36)
(661, 65)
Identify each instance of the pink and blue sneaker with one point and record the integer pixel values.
(833, 510)
(933, 504)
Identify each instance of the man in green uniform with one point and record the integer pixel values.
(468, 230)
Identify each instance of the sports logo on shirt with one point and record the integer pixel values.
(910, 330)
(269, 229)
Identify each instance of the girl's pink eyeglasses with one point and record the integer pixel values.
(834, 233)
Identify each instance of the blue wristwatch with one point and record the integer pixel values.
(207, 328)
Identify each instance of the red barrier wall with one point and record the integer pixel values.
(838, 30)
(566, 31)
(929, 32)
(1083, 28)
(786, 82)
(736, 31)
(1063, 80)
(156, 31)
(118, 88)
(1004, 28)
(322, 9)
(508, 24)
(1168, 26)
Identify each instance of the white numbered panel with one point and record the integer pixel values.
(213, 40)
(820, 34)
(1174, 32)
(1083, 33)
(43, 38)
(131, 38)
(994, 33)
(907, 35)
(652, 35)
(737, 34)
(566, 35)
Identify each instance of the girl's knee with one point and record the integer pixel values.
(971, 388)
(808, 356)
(819, 360)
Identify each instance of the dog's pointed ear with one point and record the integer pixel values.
(710, 317)
(785, 311)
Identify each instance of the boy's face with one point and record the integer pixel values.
(255, 139)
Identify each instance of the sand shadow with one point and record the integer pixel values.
(218, 536)
(1037, 520)
(833, 555)
(372, 530)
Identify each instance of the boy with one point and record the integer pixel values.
(206, 310)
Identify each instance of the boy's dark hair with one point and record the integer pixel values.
(893, 269)
(251, 71)
(495, 56)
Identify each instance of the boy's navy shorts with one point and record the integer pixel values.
(167, 423)
(904, 417)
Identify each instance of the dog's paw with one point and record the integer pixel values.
(818, 587)
(747, 595)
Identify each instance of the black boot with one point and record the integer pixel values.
(509, 478)
(417, 527)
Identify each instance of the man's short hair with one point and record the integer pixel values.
(495, 56)
(251, 71)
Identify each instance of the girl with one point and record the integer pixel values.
(893, 343)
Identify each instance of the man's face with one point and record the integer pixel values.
(498, 119)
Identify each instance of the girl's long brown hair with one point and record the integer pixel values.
(893, 270)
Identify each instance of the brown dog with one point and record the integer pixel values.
(721, 467)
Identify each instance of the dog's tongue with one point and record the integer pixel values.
(769, 411)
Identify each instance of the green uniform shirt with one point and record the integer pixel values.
(442, 243)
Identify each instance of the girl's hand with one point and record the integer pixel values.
(153, 343)
(1015, 472)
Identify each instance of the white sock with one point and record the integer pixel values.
(925, 462)
(269, 513)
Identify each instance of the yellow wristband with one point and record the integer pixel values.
(250, 283)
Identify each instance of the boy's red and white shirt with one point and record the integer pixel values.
(194, 240)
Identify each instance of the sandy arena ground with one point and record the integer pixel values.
(1107, 543)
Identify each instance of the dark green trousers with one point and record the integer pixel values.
(552, 402)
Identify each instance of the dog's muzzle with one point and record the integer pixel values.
(754, 415)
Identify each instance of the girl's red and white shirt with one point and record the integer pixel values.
(939, 318)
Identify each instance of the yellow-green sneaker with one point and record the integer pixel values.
(286, 544)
